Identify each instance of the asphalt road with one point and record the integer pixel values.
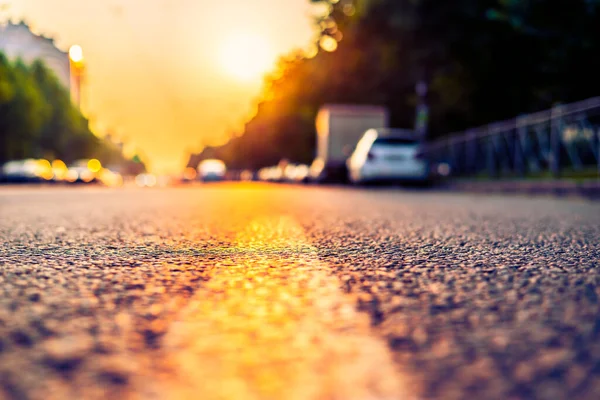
(249, 291)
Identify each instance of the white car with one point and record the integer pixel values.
(212, 170)
(29, 170)
(387, 154)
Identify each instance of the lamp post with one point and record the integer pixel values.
(77, 68)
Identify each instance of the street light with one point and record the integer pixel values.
(77, 67)
(76, 53)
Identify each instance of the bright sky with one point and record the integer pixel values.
(170, 76)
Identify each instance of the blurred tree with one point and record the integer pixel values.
(22, 115)
(484, 60)
(61, 121)
(38, 119)
(7, 95)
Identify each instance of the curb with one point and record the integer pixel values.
(586, 189)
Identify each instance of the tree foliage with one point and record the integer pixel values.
(38, 119)
(484, 60)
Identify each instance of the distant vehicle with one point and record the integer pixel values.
(146, 180)
(19, 171)
(84, 171)
(246, 176)
(59, 171)
(302, 172)
(27, 171)
(271, 174)
(387, 154)
(339, 128)
(79, 174)
(211, 170)
(289, 173)
(110, 178)
(296, 173)
(189, 175)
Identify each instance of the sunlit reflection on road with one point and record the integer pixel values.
(272, 324)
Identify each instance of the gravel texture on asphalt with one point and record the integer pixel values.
(250, 291)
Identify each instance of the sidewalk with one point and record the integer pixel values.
(589, 189)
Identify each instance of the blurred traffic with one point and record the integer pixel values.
(43, 171)
(354, 144)
(350, 149)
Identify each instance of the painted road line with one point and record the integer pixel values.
(272, 323)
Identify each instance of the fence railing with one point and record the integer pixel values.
(564, 140)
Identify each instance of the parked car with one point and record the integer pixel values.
(296, 173)
(212, 170)
(146, 180)
(387, 154)
(247, 176)
(27, 171)
(271, 174)
(80, 174)
(339, 128)
(289, 173)
(302, 173)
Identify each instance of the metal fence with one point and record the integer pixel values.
(562, 141)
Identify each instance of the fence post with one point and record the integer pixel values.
(452, 156)
(520, 136)
(491, 155)
(555, 139)
(471, 151)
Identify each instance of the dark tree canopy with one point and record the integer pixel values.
(484, 60)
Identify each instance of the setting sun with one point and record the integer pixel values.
(246, 57)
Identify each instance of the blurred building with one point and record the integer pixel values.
(18, 41)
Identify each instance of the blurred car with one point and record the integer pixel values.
(189, 175)
(59, 170)
(27, 171)
(18, 171)
(84, 171)
(387, 154)
(263, 174)
(212, 170)
(271, 174)
(110, 178)
(276, 174)
(302, 173)
(296, 173)
(289, 173)
(246, 176)
(78, 174)
(146, 180)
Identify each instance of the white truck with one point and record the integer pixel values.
(339, 128)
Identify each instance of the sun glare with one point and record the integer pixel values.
(246, 57)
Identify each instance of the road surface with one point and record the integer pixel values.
(250, 291)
